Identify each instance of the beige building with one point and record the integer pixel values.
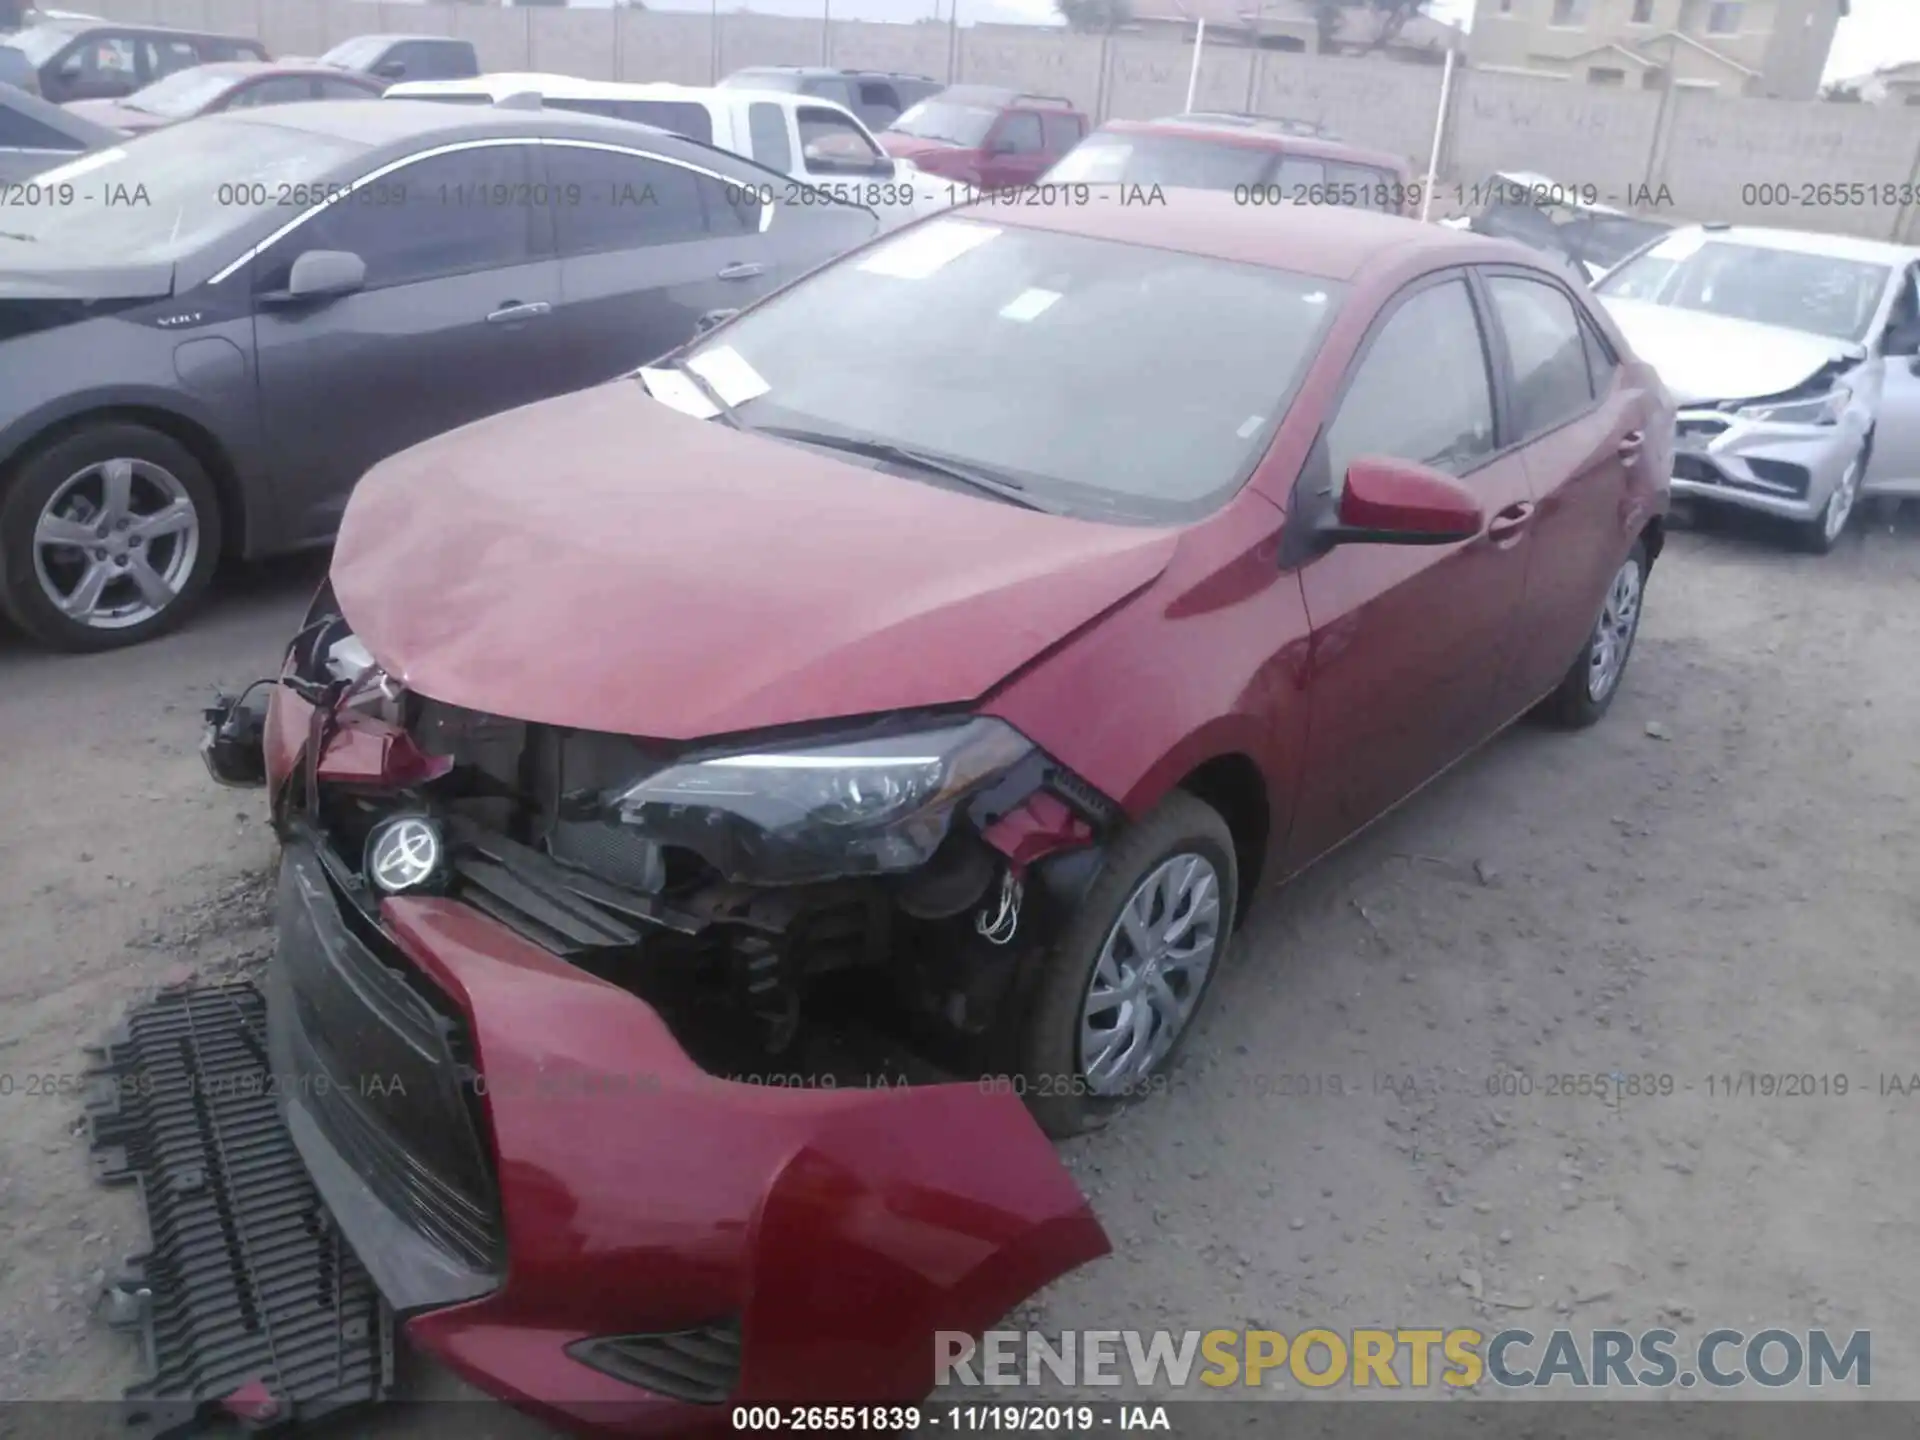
(1774, 48)
(1293, 25)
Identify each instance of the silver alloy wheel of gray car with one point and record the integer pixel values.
(1840, 504)
(116, 542)
(1613, 635)
(1150, 974)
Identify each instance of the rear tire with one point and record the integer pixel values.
(108, 538)
(1586, 692)
(1169, 888)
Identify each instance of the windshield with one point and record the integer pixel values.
(39, 43)
(1819, 294)
(357, 53)
(1141, 159)
(1107, 380)
(157, 198)
(964, 125)
(183, 93)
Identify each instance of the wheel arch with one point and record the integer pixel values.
(1233, 785)
(195, 438)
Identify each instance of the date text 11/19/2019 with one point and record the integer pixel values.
(948, 1419)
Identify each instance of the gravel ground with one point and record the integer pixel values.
(1716, 880)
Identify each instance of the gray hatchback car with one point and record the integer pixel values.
(211, 331)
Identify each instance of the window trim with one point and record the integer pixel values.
(247, 256)
(540, 236)
(1305, 502)
(1508, 430)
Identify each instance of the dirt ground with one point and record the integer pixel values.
(1720, 878)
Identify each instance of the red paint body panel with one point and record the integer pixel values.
(722, 583)
(640, 1193)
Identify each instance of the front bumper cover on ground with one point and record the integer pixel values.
(832, 1231)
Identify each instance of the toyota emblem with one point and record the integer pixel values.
(404, 854)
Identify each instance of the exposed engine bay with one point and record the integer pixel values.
(794, 908)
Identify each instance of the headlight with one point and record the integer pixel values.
(1820, 410)
(858, 808)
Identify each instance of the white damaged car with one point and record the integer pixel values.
(1794, 359)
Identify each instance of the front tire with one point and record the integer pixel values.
(1586, 692)
(1129, 972)
(108, 537)
(1819, 535)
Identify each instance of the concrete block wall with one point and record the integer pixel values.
(1711, 153)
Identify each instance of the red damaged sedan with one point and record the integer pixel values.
(691, 787)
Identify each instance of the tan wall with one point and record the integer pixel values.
(1704, 148)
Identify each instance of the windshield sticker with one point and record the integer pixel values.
(730, 375)
(1317, 297)
(1248, 430)
(1028, 304)
(673, 389)
(926, 248)
(86, 165)
(1681, 245)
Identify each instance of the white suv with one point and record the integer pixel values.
(819, 145)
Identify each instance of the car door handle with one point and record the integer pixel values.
(1630, 444)
(514, 310)
(1508, 524)
(744, 270)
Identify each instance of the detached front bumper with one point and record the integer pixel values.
(1788, 471)
(535, 1174)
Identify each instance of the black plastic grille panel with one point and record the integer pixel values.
(249, 1293)
(699, 1366)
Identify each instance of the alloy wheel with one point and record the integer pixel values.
(1150, 973)
(1840, 503)
(116, 543)
(1613, 635)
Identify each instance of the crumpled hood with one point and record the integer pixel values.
(1704, 357)
(605, 562)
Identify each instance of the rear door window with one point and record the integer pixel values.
(617, 200)
(767, 134)
(1060, 133)
(1020, 133)
(1548, 352)
(1300, 181)
(1361, 186)
(163, 57)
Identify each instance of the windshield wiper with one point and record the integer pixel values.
(713, 396)
(16, 235)
(987, 482)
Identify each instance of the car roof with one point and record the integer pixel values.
(139, 27)
(394, 37)
(394, 121)
(822, 70)
(1331, 242)
(502, 83)
(999, 96)
(1317, 147)
(262, 67)
(1811, 242)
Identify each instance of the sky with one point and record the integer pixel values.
(1880, 32)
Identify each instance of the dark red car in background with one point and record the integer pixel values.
(672, 771)
(985, 135)
(1265, 162)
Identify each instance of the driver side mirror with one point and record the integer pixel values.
(321, 275)
(1396, 502)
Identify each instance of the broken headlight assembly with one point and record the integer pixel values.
(786, 816)
(1810, 406)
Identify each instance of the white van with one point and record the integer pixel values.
(816, 143)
